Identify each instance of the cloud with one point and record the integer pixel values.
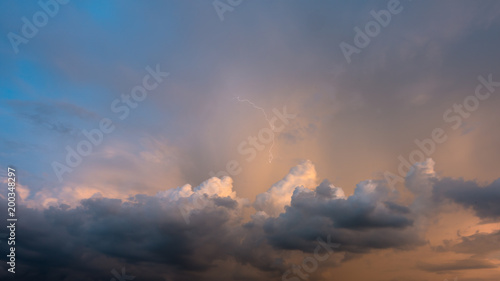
(202, 232)
(483, 200)
(457, 265)
(479, 244)
(273, 201)
(150, 230)
(60, 117)
(360, 222)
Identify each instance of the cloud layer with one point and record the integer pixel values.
(202, 232)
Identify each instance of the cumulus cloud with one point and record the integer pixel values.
(105, 233)
(202, 232)
(359, 223)
(273, 201)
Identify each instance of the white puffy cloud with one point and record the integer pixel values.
(211, 187)
(273, 201)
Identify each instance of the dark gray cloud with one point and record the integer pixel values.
(359, 223)
(89, 241)
(482, 199)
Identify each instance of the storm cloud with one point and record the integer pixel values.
(185, 232)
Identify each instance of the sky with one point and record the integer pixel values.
(251, 140)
